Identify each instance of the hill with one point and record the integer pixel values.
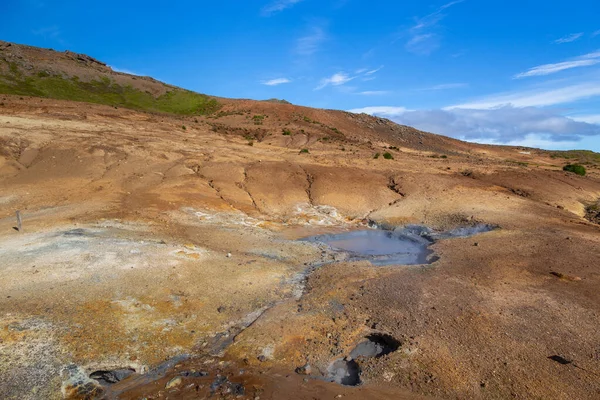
(32, 71)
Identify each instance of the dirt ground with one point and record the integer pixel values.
(166, 247)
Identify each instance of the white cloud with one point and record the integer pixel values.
(548, 69)
(585, 60)
(596, 33)
(278, 6)
(422, 38)
(507, 125)
(337, 79)
(589, 118)
(451, 4)
(125, 71)
(275, 82)
(534, 140)
(569, 38)
(382, 111)
(310, 43)
(535, 97)
(595, 54)
(446, 86)
(374, 92)
(341, 78)
(371, 72)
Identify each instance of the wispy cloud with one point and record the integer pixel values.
(49, 33)
(371, 72)
(447, 86)
(275, 82)
(536, 97)
(569, 38)
(337, 79)
(311, 42)
(374, 92)
(125, 71)
(423, 39)
(594, 34)
(341, 78)
(583, 61)
(278, 6)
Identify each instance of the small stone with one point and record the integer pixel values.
(262, 358)
(228, 255)
(173, 383)
(304, 370)
(475, 244)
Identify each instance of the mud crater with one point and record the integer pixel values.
(346, 371)
(407, 245)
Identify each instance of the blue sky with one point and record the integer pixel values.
(513, 72)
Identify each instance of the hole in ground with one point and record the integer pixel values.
(344, 372)
(376, 345)
(111, 377)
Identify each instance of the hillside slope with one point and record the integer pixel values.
(32, 71)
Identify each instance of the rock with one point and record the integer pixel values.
(110, 377)
(304, 370)
(173, 383)
(228, 255)
(193, 374)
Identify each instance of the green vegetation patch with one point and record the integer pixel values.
(258, 119)
(105, 91)
(583, 156)
(575, 168)
(388, 156)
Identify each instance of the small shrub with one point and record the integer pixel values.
(388, 156)
(575, 168)
(304, 151)
(251, 143)
(183, 127)
(286, 132)
(394, 148)
(443, 156)
(376, 156)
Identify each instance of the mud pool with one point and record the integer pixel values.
(407, 245)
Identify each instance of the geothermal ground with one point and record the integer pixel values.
(159, 258)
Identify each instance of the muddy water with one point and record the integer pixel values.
(402, 246)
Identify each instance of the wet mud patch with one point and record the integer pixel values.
(407, 245)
